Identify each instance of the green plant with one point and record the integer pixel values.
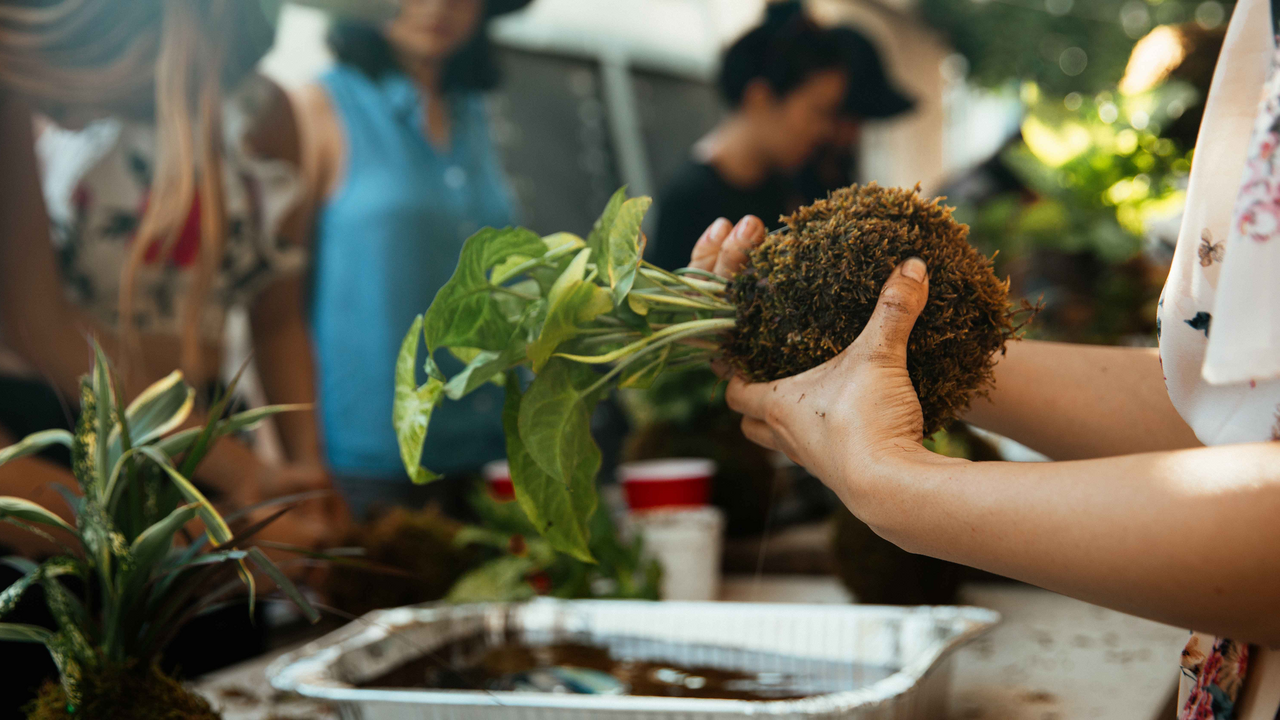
(588, 315)
(520, 564)
(140, 585)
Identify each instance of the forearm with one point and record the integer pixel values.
(1185, 537)
(37, 322)
(1082, 401)
(282, 348)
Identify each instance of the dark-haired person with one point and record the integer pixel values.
(403, 171)
(871, 95)
(785, 84)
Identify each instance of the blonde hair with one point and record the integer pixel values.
(94, 52)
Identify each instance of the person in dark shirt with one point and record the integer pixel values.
(785, 85)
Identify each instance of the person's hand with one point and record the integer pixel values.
(723, 247)
(847, 417)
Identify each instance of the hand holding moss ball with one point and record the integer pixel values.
(806, 293)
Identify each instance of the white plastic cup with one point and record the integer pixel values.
(687, 542)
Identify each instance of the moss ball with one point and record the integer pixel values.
(809, 289)
(418, 562)
(122, 692)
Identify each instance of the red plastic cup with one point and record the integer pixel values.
(498, 475)
(667, 483)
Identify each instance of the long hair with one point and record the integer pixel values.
(94, 52)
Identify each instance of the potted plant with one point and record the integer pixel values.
(124, 583)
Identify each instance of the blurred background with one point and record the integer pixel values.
(1062, 152)
(1062, 130)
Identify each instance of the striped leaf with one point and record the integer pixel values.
(22, 509)
(35, 443)
(214, 524)
(18, 632)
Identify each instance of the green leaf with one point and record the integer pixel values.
(463, 312)
(574, 307)
(22, 509)
(106, 409)
(17, 632)
(179, 442)
(555, 422)
(35, 443)
(598, 240)
(486, 365)
(557, 510)
(556, 241)
(155, 542)
(214, 524)
(159, 410)
(574, 273)
(12, 594)
(259, 558)
(499, 580)
(413, 406)
(250, 419)
(623, 252)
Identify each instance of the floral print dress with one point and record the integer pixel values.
(1219, 319)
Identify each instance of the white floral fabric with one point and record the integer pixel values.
(1219, 320)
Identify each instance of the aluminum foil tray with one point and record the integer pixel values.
(820, 642)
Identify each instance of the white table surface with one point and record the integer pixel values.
(1053, 658)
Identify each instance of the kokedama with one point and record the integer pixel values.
(589, 315)
(140, 581)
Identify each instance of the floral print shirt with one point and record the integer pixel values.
(1219, 319)
(96, 183)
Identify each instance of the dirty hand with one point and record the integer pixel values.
(845, 419)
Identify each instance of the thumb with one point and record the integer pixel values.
(903, 297)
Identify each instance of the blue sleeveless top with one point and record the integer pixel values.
(385, 243)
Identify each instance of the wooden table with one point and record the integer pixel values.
(1053, 658)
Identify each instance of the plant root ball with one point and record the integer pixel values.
(808, 290)
(122, 692)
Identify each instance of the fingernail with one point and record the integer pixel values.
(915, 269)
(721, 227)
(745, 226)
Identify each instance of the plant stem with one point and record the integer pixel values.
(657, 274)
(687, 329)
(666, 297)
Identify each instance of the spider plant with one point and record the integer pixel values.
(138, 583)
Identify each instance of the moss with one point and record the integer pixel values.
(808, 291)
(118, 692)
(418, 544)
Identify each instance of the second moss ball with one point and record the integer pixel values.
(809, 290)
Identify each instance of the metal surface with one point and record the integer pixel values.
(916, 641)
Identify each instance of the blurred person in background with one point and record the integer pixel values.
(871, 95)
(785, 84)
(115, 216)
(162, 176)
(402, 171)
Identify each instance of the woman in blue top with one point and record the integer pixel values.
(403, 171)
